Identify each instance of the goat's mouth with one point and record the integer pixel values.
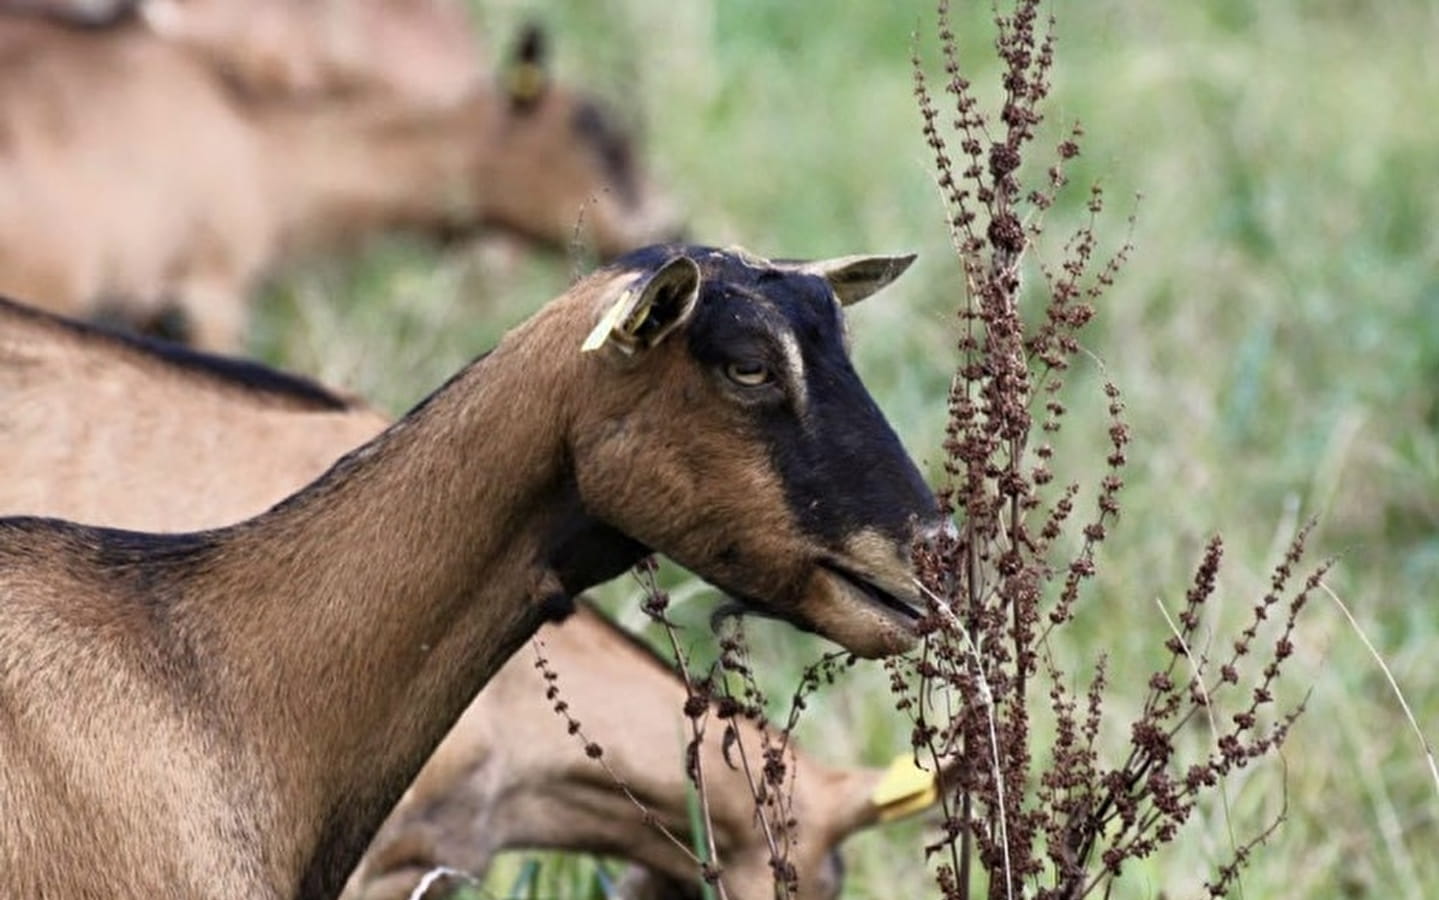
(855, 610)
(864, 587)
(741, 605)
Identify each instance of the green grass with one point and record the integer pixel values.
(1276, 338)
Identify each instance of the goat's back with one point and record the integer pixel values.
(419, 51)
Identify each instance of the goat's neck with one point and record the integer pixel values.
(339, 173)
(359, 618)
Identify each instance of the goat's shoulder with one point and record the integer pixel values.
(96, 552)
(93, 577)
(34, 544)
(71, 594)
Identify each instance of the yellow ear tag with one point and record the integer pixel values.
(904, 789)
(527, 81)
(622, 311)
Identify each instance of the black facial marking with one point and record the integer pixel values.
(739, 324)
(842, 466)
(596, 128)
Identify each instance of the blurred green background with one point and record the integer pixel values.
(1276, 337)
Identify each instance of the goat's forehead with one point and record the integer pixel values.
(798, 322)
(789, 304)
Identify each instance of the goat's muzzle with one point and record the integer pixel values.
(868, 614)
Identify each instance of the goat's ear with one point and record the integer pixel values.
(852, 278)
(649, 309)
(525, 78)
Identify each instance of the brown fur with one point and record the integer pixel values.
(100, 429)
(421, 51)
(232, 712)
(132, 181)
(97, 429)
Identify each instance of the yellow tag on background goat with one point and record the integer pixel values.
(904, 789)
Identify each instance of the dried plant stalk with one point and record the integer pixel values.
(1024, 819)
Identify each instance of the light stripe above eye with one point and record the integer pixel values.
(794, 369)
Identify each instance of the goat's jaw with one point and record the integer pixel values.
(867, 615)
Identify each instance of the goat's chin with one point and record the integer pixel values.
(866, 618)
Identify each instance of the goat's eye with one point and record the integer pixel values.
(748, 373)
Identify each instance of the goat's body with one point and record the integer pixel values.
(99, 428)
(131, 181)
(268, 689)
(164, 750)
(417, 50)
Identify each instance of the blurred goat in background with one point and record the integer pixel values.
(145, 182)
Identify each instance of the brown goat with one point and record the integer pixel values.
(233, 712)
(107, 430)
(134, 183)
